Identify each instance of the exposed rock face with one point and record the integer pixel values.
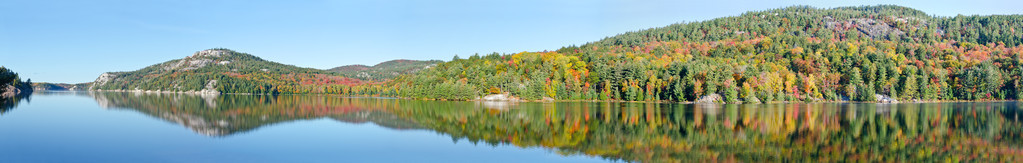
(9, 91)
(712, 98)
(76, 88)
(198, 60)
(210, 53)
(547, 99)
(193, 64)
(885, 99)
(211, 88)
(364, 75)
(499, 97)
(102, 79)
(873, 27)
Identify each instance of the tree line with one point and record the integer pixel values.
(788, 54)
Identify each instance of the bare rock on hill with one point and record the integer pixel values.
(711, 98)
(885, 99)
(751, 100)
(499, 97)
(872, 27)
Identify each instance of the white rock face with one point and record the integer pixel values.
(198, 60)
(211, 88)
(102, 79)
(196, 64)
(9, 91)
(364, 75)
(547, 99)
(885, 99)
(712, 98)
(210, 53)
(499, 97)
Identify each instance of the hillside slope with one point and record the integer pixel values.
(866, 53)
(217, 71)
(44, 86)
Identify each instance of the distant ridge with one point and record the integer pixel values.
(384, 70)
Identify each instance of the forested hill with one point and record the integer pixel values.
(797, 53)
(44, 86)
(224, 71)
(385, 70)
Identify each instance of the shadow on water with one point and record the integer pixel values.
(644, 132)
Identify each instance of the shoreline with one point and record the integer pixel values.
(206, 93)
(200, 92)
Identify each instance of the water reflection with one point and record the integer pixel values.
(8, 104)
(231, 114)
(645, 132)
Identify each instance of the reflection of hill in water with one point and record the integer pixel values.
(973, 132)
(379, 118)
(230, 114)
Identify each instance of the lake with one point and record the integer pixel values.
(130, 127)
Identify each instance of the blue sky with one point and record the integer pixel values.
(74, 41)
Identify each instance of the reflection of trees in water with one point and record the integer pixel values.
(230, 114)
(776, 132)
(640, 132)
(8, 104)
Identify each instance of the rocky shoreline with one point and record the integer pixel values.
(716, 99)
(200, 92)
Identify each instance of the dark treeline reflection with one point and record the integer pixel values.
(642, 132)
(8, 104)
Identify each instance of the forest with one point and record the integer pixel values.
(789, 54)
(867, 53)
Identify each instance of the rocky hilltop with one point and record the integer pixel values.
(216, 71)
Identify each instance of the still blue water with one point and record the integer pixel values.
(127, 127)
(74, 128)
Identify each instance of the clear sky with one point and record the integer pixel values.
(73, 41)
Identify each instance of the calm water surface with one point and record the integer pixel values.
(127, 127)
